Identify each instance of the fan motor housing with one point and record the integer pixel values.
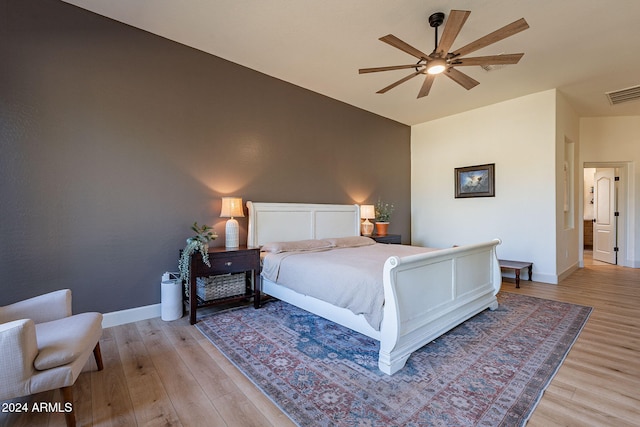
(436, 19)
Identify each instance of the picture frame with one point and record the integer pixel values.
(475, 181)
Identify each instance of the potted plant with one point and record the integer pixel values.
(197, 243)
(383, 216)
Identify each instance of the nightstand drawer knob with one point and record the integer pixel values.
(228, 263)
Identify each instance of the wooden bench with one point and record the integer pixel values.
(516, 266)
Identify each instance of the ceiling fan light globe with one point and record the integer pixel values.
(436, 66)
(436, 69)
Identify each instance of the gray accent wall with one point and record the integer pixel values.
(113, 141)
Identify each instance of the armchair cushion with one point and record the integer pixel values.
(62, 341)
(43, 308)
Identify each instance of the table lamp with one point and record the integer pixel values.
(367, 212)
(231, 207)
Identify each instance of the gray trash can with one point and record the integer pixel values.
(170, 298)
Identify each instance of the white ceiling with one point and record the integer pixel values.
(584, 48)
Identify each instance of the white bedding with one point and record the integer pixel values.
(346, 277)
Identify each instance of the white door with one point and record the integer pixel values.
(604, 227)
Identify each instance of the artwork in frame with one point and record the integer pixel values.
(475, 181)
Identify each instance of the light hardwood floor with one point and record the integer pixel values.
(167, 374)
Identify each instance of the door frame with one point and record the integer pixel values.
(625, 224)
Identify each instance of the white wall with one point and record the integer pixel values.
(519, 136)
(616, 141)
(568, 222)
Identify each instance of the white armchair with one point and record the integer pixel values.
(43, 347)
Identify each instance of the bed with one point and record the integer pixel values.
(425, 294)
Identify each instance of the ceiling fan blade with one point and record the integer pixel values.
(393, 67)
(426, 85)
(461, 78)
(402, 80)
(455, 21)
(399, 44)
(504, 32)
(511, 58)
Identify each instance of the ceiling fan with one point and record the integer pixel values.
(442, 61)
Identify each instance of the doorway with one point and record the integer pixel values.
(604, 213)
(605, 237)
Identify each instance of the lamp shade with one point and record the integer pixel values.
(367, 212)
(231, 207)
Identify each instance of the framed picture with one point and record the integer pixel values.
(475, 181)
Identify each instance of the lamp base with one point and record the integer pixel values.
(231, 234)
(366, 228)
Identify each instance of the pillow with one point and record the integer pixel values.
(298, 245)
(351, 241)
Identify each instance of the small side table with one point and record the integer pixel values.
(225, 261)
(516, 266)
(395, 239)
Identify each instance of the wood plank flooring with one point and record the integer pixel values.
(167, 374)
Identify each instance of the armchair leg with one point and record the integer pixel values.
(98, 356)
(67, 392)
(67, 397)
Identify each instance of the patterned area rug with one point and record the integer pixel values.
(489, 371)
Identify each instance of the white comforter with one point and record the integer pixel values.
(346, 277)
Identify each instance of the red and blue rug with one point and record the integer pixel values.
(489, 371)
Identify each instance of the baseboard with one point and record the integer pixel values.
(567, 272)
(130, 315)
(632, 263)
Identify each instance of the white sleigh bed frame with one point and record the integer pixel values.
(425, 295)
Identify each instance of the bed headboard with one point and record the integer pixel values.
(287, 222)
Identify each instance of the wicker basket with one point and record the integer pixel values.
(222, 286)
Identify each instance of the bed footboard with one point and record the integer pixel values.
(428, 294)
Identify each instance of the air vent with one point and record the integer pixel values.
(494, 67)
(489, 68)
(624, 95)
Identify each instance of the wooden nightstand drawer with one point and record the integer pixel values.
(233, 262)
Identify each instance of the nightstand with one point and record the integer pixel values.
(395, 239)
(233, 276)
